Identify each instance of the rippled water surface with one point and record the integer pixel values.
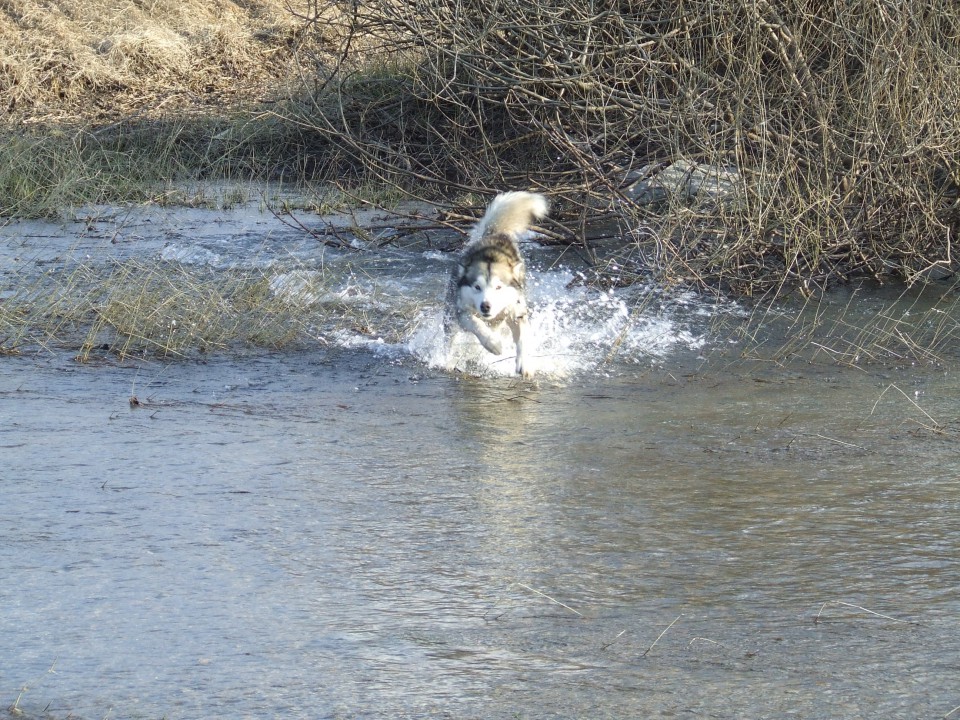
(362, 531)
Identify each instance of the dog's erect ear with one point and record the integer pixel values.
(519, 274)
(463, 277)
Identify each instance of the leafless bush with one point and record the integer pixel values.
(754, 143)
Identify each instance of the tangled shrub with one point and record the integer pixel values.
(751, 143)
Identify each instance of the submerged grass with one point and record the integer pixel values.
(141, 308)
(155, 308)
(855, 326)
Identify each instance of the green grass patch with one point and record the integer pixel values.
(46, 170)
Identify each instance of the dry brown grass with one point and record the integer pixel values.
(110, 58)
(115, 101)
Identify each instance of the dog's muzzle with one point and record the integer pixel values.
(485, 309)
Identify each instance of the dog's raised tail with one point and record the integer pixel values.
(511, 214)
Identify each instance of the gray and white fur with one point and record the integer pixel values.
(488, 286)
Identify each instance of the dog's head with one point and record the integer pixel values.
(491, 284)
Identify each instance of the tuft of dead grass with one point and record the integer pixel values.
(147, 308)
(106, 59)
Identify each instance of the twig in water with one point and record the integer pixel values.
(937, 427)
(15, 708)
(951, 712)
(858, 607)
(841, 442)
(527, 587)
(662, 634)
(606, 645)
(323, 238)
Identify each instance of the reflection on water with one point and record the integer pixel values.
(642, 532)
(342, 536)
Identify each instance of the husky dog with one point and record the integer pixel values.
(487, 290)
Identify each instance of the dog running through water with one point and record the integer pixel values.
(488, 286)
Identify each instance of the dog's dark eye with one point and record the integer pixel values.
(499, 287)
(477, 286)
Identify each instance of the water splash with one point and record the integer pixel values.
(391, 303)
(573, 329)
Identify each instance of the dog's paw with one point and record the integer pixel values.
(524, 370)
(492, 345)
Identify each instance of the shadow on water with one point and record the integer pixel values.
(354, 533)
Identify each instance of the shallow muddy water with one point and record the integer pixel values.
(364, 530)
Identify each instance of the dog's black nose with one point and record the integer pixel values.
(485, 308)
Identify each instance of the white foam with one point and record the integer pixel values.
(428, 342)
(311, 287)
(189, 255)
(296, 286)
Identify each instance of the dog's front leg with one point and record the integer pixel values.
(483, 332)
(519, 328)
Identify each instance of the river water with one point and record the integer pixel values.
(378, 528)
